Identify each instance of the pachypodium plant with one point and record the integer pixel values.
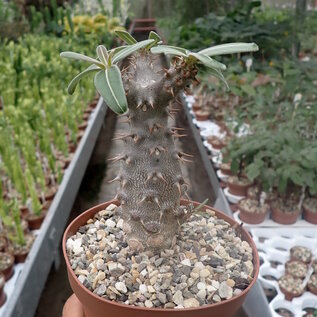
(151, 181)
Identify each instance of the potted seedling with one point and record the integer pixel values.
(291, 286)
(312, 284)
(149, 250)
(301, 253)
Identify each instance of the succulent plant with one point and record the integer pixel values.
(151, 181)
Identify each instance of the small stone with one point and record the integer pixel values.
(237, 291)
(101, 290)
(201, 285)
(116, 269)
(216, 298)
(81, 278)
(110, 223)
(204, 273)
(215, 284)
(178, 298)
(121, 287)
(111, 207)
(231, 282)
(161, 297)
(186, 262)
(143, 288)
(142, 266)
(194, 275)
(169, 305)
(120, 223)
(151, 289)
(148, 303)
(191, 302)
(100, 264)
(225, 291)
(158, 262)
(201, 294)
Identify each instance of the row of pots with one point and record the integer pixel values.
(11, 253)
(300, 274)
(250, 209)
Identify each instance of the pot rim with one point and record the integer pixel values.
(256, 262)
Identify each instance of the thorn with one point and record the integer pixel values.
(136, 138)
(179, 188)
(152, 150)
(161, 148)
(117, 158)
(122, 137)
(183, 160)
(118, 178)
(144, 108)
(124, 183)
(139, 105)
(175, 135)
(157, 201)
(151, 104)
(185, 154)
(172, 92)
(125, 69)
(125, 121)
(160, 175)
(180, 129)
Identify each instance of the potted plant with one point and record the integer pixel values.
(146, 270)
(291, 286)
(2, 293)
(310, 209)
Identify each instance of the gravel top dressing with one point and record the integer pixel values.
(208, 264)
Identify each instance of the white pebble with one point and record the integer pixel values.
(186, 262)
(111, 207)
(202, 294)
(142, 288)
(201, 285)
(120, 286)
(110, 223)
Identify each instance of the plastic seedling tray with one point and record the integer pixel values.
(25, 287)
(273, 247)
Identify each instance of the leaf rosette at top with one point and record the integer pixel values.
(203, 57)
(108, 81)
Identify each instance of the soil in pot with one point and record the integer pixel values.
(253, 192)
(202, 115)
(21, 252)
(226, 169)
(251, 211)
(291, 286)
(300, 253)
(297, 269)
(284, 211)
(238, 186)
(6, 265)
(3, 243)
(2, 293)
(310, 209)
(208, 264)
(35, 221)
(215, 142)
(312, 284)
(314, 266)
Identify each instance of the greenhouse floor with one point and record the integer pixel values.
(95, 189)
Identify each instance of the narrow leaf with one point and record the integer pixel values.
(154, 36)
(130, 49)
(167, 50)
(109, 84)
(126, 37)
(229, 48)
(81, 57)
(102, 53)
(73, 84)
(218, 74)
(208, 61)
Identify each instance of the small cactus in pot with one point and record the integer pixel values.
(134, 83)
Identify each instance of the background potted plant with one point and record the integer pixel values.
(151, 185)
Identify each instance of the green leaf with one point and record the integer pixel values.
(72, 85)
(102, 53)
(207, 61)
(130, 49)
(126, 37)
(109, 85)
(154, 36)
(218, 74)
(81, 57)
(229, 48)
(168, 50)
(248, 89)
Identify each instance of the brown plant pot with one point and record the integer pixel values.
(8, 272)
(95, 306)
(83, 126)
(3, 243)
(238, 189)
(20, 257)
(2, 293)
(284, 218)
(226, 171)
(34, 222)
(251, 217)
(309, 215)
(202, 115)
(196, 107)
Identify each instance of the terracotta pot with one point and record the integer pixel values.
(224, 170)
(283, 218)
(21, 257)
(202, 115)
(2, 293)
(8, 272)
(238, 189)
(83, 126)
(95, 306)
(251, 217)
(215, 142)
(86, 116)
(3, 244)
(88, 110)
(196, 107)
(309, 215)
(34, 222)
